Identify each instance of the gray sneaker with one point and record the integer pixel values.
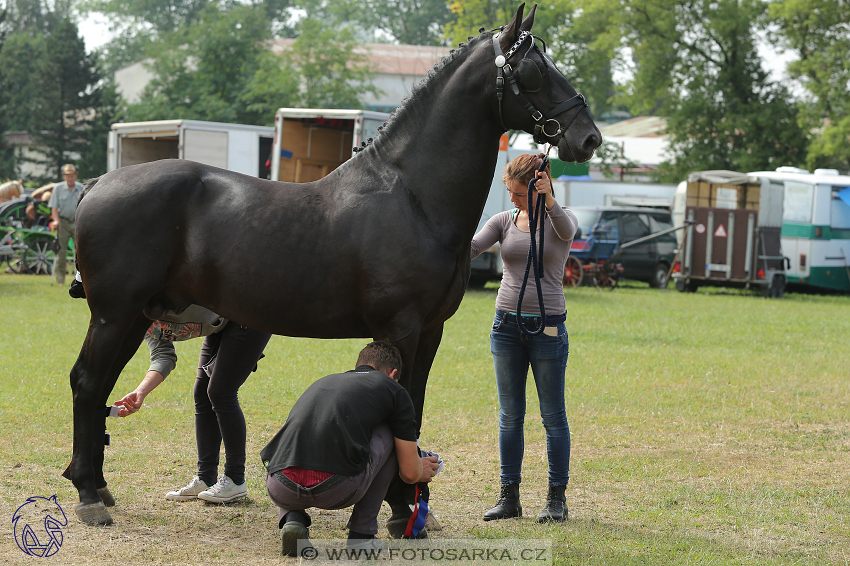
(189, 491)
(373, 544)
(224, 491)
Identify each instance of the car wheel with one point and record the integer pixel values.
(659, 277)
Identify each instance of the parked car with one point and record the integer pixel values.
(649, 261)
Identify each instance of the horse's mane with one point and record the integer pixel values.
(424, 87)
(86, 186)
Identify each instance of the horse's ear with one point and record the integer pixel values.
(528, 22)
(511, 31)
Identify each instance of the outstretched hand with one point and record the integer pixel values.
(129, 404)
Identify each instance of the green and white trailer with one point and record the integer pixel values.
(815, 226)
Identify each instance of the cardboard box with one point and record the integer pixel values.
(724, 196)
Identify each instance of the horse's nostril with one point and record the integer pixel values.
(592, 142)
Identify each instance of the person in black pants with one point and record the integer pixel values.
(344, 440)
(227, 359)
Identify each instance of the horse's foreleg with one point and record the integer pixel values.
(92, 379)
(401, 495)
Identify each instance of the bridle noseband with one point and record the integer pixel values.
(527, 75)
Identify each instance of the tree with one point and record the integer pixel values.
(582, 37)
(411, 22)
(697, 64)
(202, 72)
(197, 78)
(818, 33)
(329, 72)
(66, 80)
(7, 155)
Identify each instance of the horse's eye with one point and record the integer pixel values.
(528, 75)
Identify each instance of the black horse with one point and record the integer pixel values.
(377, 249)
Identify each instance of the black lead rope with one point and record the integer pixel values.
(535, 256)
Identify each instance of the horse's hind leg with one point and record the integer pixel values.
(107, 349)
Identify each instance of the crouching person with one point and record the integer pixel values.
(343, 442)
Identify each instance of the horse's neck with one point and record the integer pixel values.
(443, 145)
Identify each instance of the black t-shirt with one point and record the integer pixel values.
(330, 426)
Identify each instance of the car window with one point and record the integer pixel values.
(607, 226)
(634, 226)
(657, 223)
(586, 218)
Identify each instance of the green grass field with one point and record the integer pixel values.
(708, 428)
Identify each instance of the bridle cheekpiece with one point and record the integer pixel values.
(526, 77)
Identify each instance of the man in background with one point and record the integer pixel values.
(63, 206)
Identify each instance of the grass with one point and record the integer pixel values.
(707, 428)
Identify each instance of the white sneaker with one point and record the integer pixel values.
(370, 544)
(224, 491)
(189, 491)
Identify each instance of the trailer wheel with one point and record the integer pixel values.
(776, 289)
(684, 286)
(573, 273)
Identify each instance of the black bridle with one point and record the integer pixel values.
(527, 77)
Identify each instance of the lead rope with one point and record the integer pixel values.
(535, 257)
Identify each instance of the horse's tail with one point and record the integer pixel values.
(86, 186)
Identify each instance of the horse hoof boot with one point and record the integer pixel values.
(396, 525)
(106, 496)
(93, 513)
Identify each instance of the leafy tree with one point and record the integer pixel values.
(7, 156)
(202, 71)
(582, 37)
(66, 79)
(697, 64)
(21, 89)
(818, 33)
(329, 73)
(411, 22)
(105, 111)
(197, 77)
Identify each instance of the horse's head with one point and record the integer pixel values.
(534, 96)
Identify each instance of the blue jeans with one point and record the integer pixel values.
(513, 351)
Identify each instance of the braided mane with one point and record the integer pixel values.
(423, 88)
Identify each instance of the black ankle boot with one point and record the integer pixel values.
(556, 506)
(507, 505)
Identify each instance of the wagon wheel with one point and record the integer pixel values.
(37, 258)
(606, 276)
(573, 273)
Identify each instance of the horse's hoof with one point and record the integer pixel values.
(431, 522)
(93, 514)
(107, 498)
(396, 525)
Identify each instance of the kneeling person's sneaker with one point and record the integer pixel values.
(189, 491)
(224, 491)
(372, 543)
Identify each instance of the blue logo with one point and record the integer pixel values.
(38, 526)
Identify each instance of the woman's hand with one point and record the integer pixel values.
(130, 403)
(543, 186)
